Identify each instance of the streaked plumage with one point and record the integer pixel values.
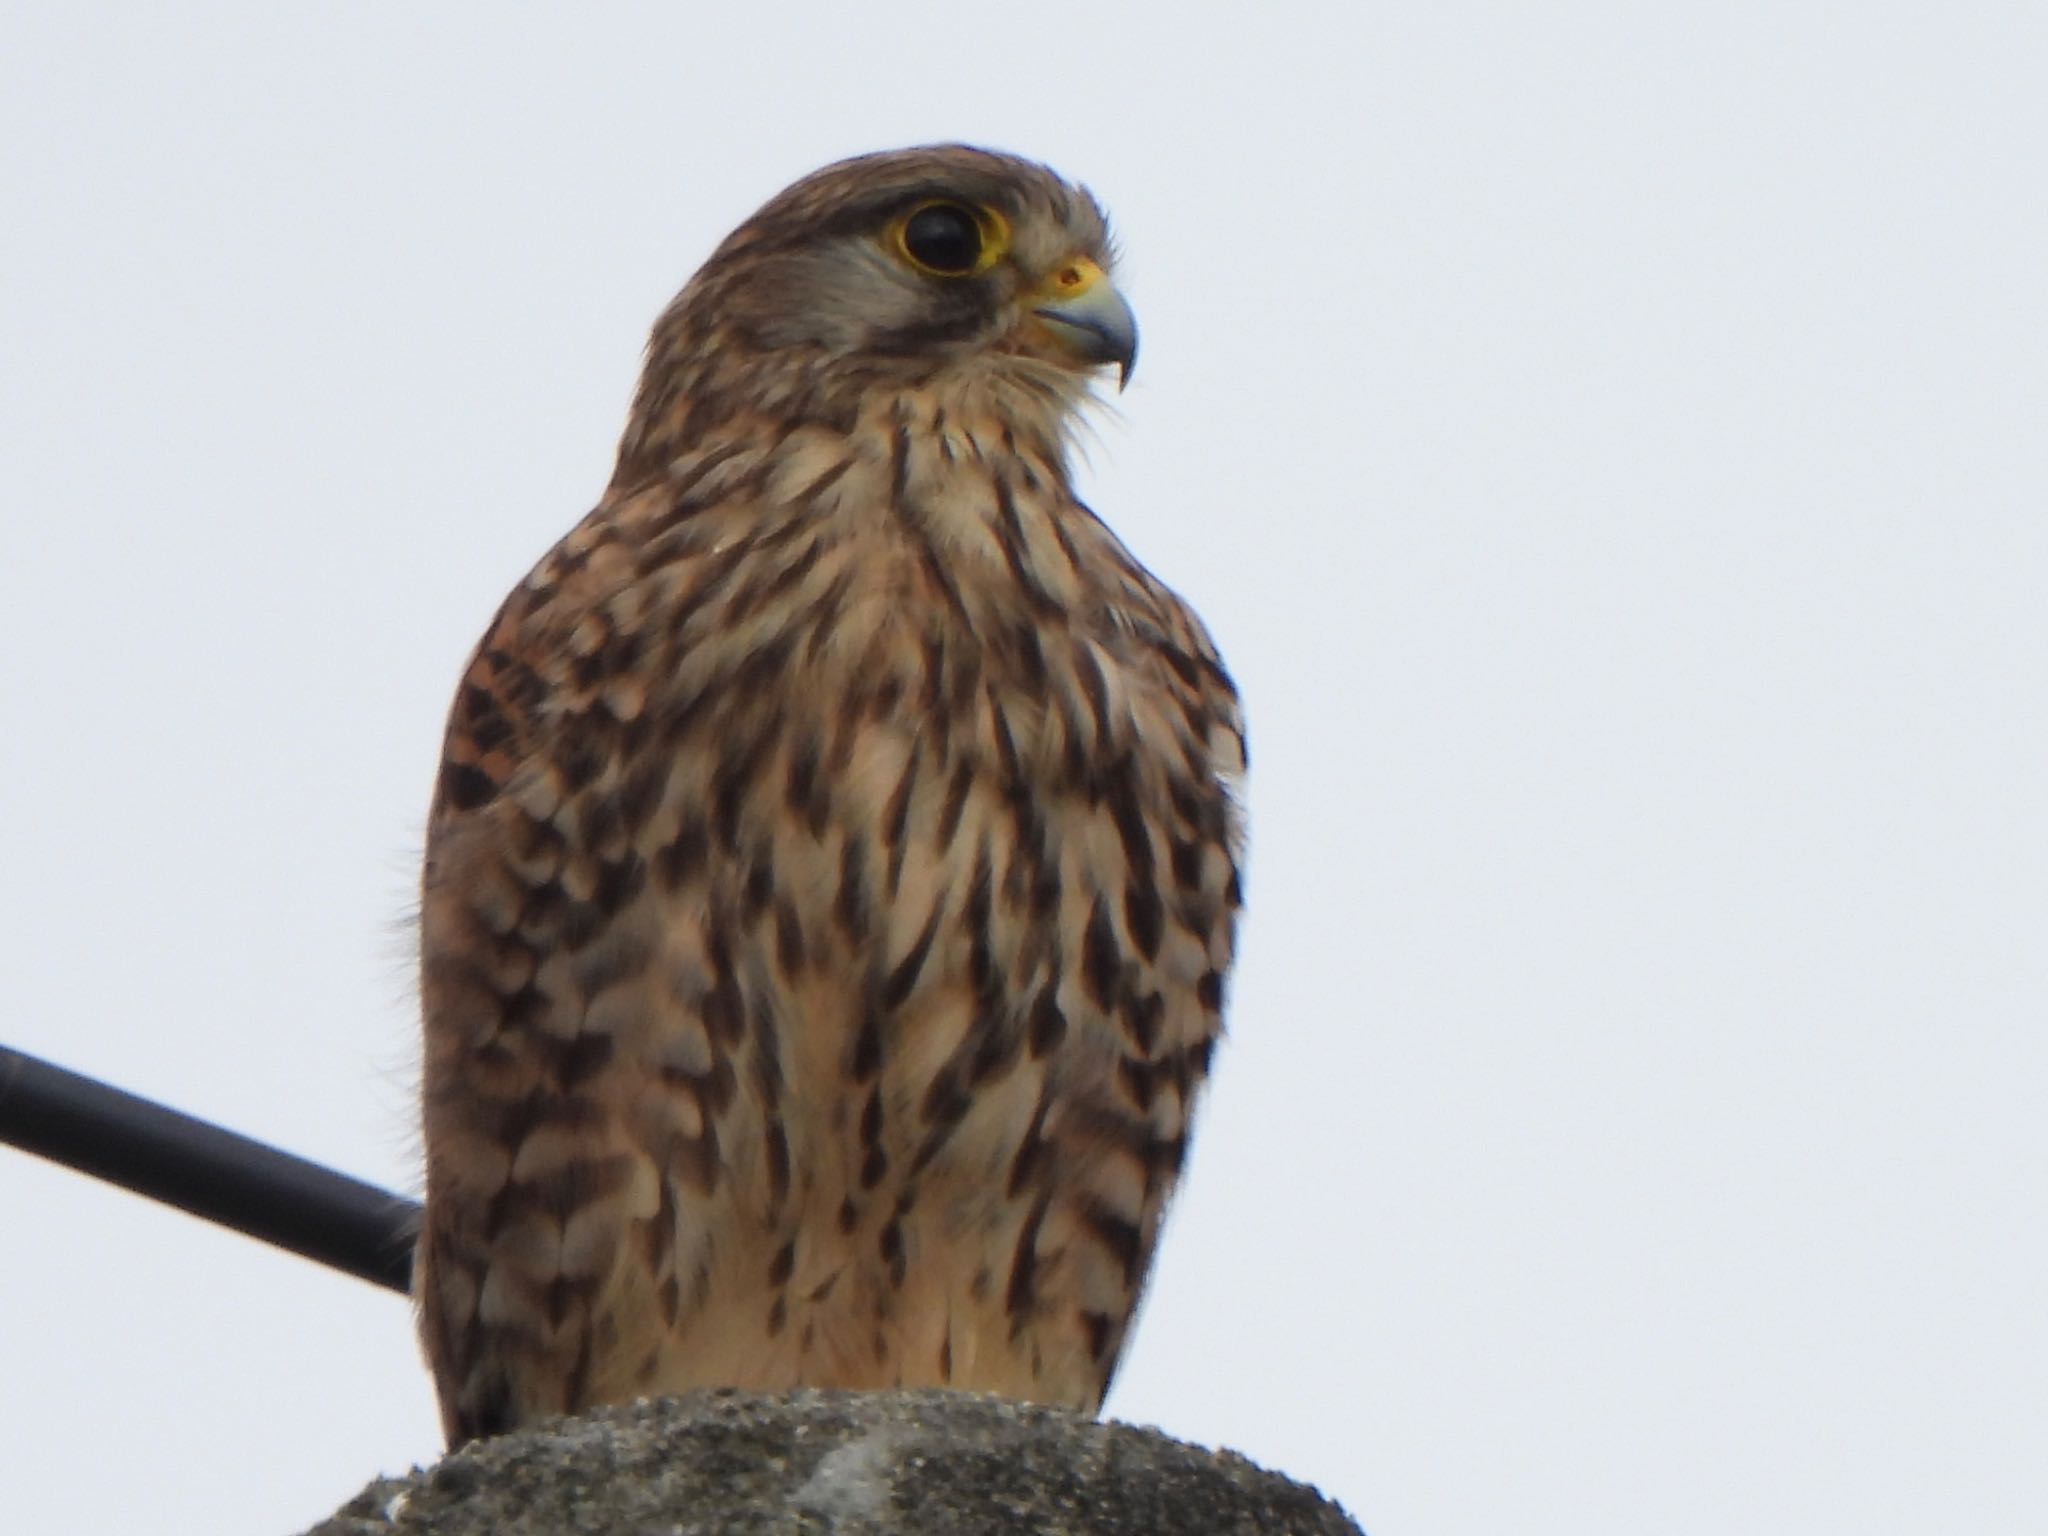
(832, 876)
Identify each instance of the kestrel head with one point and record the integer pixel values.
(980, 275)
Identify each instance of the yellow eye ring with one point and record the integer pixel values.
(942, 238)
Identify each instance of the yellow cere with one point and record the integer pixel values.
(1072, 278)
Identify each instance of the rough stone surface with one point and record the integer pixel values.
(844, 1463)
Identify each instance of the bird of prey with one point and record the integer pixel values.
(832, 873)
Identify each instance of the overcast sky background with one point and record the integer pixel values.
(1611, 448)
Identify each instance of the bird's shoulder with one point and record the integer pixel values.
(903, 568)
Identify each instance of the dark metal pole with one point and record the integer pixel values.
(270, 1195)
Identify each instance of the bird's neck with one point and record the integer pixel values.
(699, 390)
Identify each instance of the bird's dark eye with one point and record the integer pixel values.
(944, 238)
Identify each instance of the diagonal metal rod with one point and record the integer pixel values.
(270, 1195)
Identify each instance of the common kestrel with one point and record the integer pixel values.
(832, 875)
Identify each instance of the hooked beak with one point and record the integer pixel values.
(1086, 319)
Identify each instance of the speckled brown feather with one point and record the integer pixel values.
(832, 876)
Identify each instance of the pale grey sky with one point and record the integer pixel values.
(1609, 447)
